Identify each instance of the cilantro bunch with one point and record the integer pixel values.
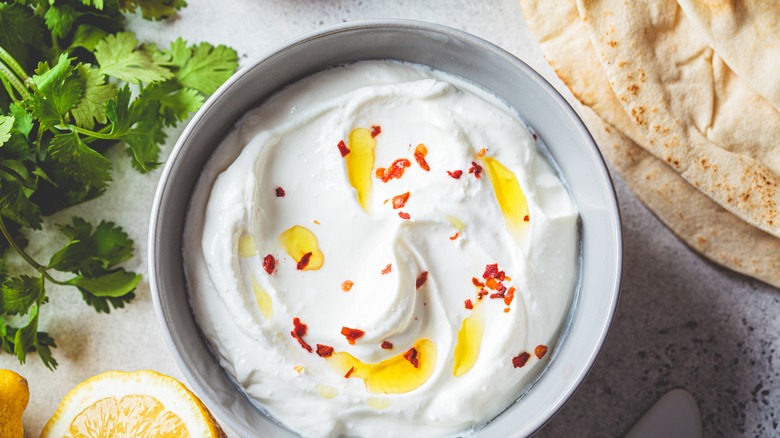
(75, 83)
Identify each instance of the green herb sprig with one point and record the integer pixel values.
(74, 84)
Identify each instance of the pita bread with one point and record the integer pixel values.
(676, 91)
(696, 219)
(701, 223)
(746, 34)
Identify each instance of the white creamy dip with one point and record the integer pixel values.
(306, 181)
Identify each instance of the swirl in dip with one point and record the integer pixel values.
(388, 255)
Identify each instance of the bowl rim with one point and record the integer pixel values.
(398, 24)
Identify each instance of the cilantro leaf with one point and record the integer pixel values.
(118, 56)
(92, 106)
(43, 345)
(24, 338)
(92, 253)
(203, 67)
(28, 339)
(75, 106)
(24, 120)
(82, 162)
(175, 103)
(93, 256)
(60, 90)
(144, 145)
(87, 36)
(15, 205)
(139, 125)
(114, 284)
(17, 294)
(19, 30)
(153, 9)
(118, 112)
(6, 123)
(104, 304)
(60, 19)
(97, 3)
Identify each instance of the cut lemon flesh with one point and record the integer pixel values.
(136, 404)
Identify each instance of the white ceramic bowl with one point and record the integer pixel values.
(569, 144)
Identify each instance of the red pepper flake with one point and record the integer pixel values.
(526, 218)
(419, 155)
(352, 334)
(456, 174)
(481, 294)
(422, 279)
(387, 345)
(411, 356)
(375, 130)
(501, 275)
(299, 330)
(304, 262)
(279, 192)
(540, 351)
(343, 148)
(497, 295)
(490, 271)
(510, 294)
(476, 169)
(475, 281)
(315, 221)
(324, 350)
(388, 269)
(506, 309)
(400, 200)
(481, 152)
(469, 304)
(491, 283)
(501, 288)
(269, 264)
(396, 170)
(520, 360)
(349, 373)
(346, 286)
(403, 215)
(454, 236)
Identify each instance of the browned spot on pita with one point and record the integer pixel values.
(612, 43)
(622, 64)
(633, 89)
(638, 115)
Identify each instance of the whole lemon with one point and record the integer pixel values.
(14, 395)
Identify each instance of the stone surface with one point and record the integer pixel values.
(681, 321)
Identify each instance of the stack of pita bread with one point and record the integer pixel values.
(683, 97)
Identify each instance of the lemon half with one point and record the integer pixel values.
(135, 404)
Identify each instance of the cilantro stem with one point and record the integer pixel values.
(84, 131)
(8, 88)
(15, 174)
(38, 267)
(17, 248)
(8, 59)
(10, 77)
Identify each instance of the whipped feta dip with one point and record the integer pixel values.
(380, 249)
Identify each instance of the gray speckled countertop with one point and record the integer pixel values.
(681, 321)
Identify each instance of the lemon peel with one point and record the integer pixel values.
(125, 404)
